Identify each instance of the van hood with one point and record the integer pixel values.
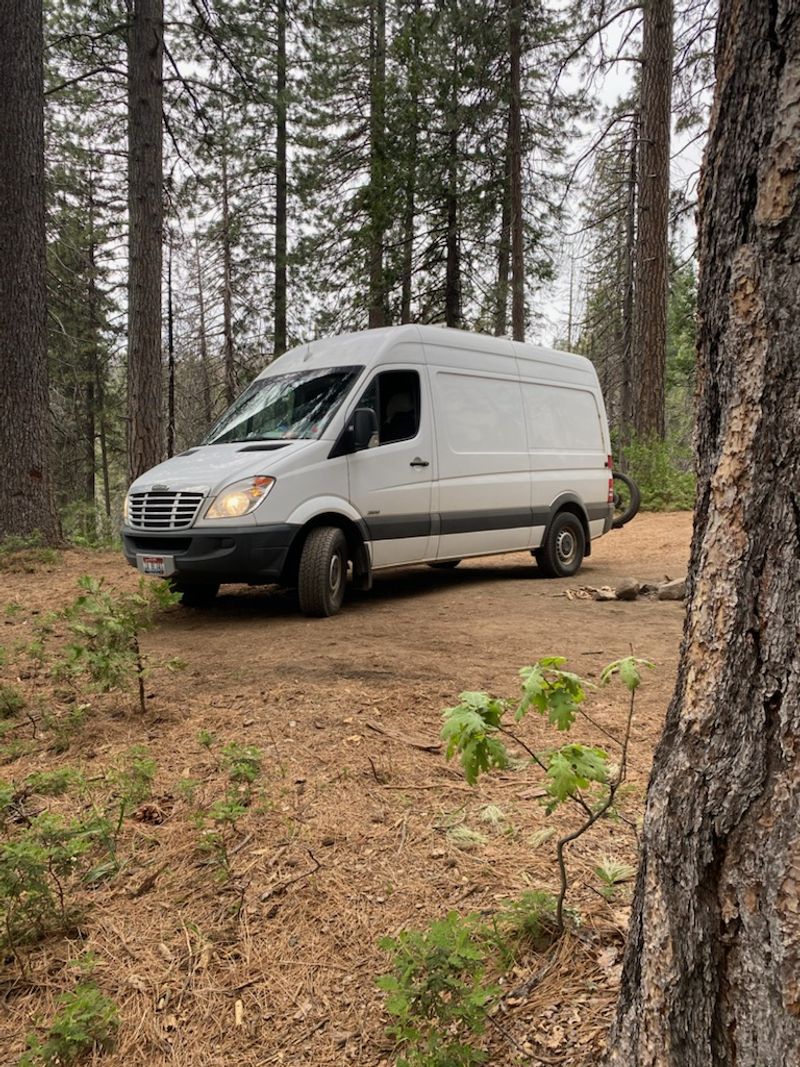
(210, 467)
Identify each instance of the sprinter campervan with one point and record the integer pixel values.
(411, 444)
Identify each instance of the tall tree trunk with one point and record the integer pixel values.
(712, 967)
(227, 286)
(504, 245)
(89, 368)
(205, 370)
(377, 165)
(515, 158)
(170, 357)
(652, 230)
(409, 209)
(628, 300)
(146, 219)
(281, 245)
(26, 498)
(452, 285)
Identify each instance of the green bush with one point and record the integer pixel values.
(663, 470)
(86, 1023)
(437, 992)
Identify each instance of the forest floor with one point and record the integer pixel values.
(355, 830)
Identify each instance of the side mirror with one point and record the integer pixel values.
(365, 428)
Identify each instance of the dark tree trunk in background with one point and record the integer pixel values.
(146, 216)
(377, 165)
(281, 245)
(227, 286)
(712, 968)
(205, 370)
(26, 498)
(452, 285)
(170, 357)
(628, 300)
(504, 246)
(410, 191)
(515, 159)
(652, 230)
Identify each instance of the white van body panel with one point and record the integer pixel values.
(505, 434)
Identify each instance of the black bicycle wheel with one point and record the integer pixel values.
(627, 499)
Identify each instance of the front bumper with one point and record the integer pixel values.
(244, 554)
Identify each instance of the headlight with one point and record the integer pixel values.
(126, 508)
(240, 498)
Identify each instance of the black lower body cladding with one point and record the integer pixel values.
(240, 554)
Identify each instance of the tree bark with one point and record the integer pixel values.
(205, 371)
(227, 286)
(452, 286)
(281, 242)
(504, 246)
(146, 216)
(712, 968)
(377, 165)
(170, 357)
(652, 230)
(26, 498)
(628, 301)
(409, 209)
(515, 160)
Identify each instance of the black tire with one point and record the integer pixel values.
(445, 564)
(322, 574)
(195, 594)
(627, 500)
(561, 553)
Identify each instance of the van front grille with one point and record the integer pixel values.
(163, 510)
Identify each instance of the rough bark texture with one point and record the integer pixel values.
(377, 166)
(515, 156)
(145, 213)
(712, 969)
(26, 501)
(227, 286)
(281, 244)
(452, 281)
(652, 229)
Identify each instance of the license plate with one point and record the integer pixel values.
(162, 566)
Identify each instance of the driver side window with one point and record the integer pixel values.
(394, 396)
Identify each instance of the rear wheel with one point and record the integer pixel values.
(561, 554)
(322, 574)
(195, 594)
(445, 564)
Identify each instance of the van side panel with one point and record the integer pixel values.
(567, 438)
(483, 493)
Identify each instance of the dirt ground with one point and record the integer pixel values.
(351, 835)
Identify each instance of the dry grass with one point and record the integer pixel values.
(346, 840)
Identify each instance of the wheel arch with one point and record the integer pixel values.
(572, 503)
(356, 547)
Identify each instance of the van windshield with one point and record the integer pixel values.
(284, 406)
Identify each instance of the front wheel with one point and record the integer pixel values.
(627, 499)
(322, 574)
(561, 553)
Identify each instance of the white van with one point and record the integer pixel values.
(411, 444)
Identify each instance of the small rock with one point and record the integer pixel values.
(648, 587)
(627, 589)
(605, 592)
(675, 590)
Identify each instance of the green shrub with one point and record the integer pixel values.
(663, 471)
(86, 1023)
(438, 993)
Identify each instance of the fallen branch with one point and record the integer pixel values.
(425, 746)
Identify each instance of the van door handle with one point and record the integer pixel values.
(417, 462)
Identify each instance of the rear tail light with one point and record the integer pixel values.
(610, 481)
